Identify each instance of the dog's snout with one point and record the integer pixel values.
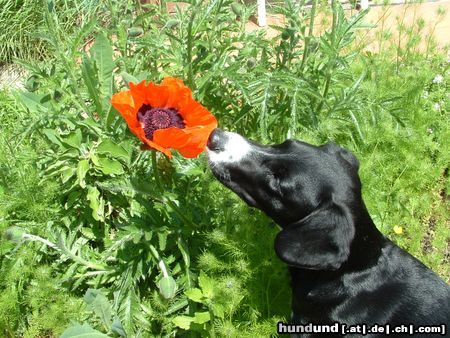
(216, 140)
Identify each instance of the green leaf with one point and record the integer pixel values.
(90, 80)
(67, 173)
(90, 295)
(206, 284)
(162, 239)
(14, 234)
(127, 78)
(110, 167)
(167, 287)
(109, 147)
(81, 33)
(118, 328)
(82, 331)
(202, 317)
(82, 169)
(51, 135)
(102, 308)
(183, 322)
(33, 102)
(194, 294)
(73, 198)
(135, 31)
(100, 305)
(74, 139)
(129, 308)
(218, 310)
(96, 203)
(102, 53)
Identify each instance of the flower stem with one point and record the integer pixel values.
(190, 76)
(170, 203)
(161, 264)
(310, 34)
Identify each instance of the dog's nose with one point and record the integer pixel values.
(216, 140)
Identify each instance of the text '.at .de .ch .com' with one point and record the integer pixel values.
(362, 329)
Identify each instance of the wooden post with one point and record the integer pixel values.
(364, 4)
(262, 19)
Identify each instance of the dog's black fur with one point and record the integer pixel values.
(343, 269)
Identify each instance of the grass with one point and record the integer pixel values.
(89, 236)
(22, 26)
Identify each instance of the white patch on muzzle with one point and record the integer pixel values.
(234, 149)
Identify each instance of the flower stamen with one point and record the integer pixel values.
(158, 118)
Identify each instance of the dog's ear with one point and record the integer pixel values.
(347, 155)
(321, 241)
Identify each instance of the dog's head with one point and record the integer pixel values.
(309, 191)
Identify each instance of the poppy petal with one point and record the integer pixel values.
(138, 92)
(125, 104)
(158, 147)
(172, 137)
(157, 96)
(197, 143)
(195, 114)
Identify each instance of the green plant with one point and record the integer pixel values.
(144, 246)
(21, 24)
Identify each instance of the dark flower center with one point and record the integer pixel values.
(159, 118)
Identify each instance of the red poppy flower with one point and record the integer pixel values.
(166, 116)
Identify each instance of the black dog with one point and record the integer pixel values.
(343, 269)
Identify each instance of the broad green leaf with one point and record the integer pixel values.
(55, 166)
(118, 328)
(167, 287)
(183, 322)
(102, 308)
(74, 139)
(202, 317)
(102, 54)
(51, 135)
(206, 284)
(67, 174)
(82, 331)
(90, 80)
(109, 147)
(95, 203)
(100, 305)
(90, 295)
(82, 169)
(94, 159)
(110, 167)
(32, 101)
(194, 294)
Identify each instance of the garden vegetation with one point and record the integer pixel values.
(103, 239)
